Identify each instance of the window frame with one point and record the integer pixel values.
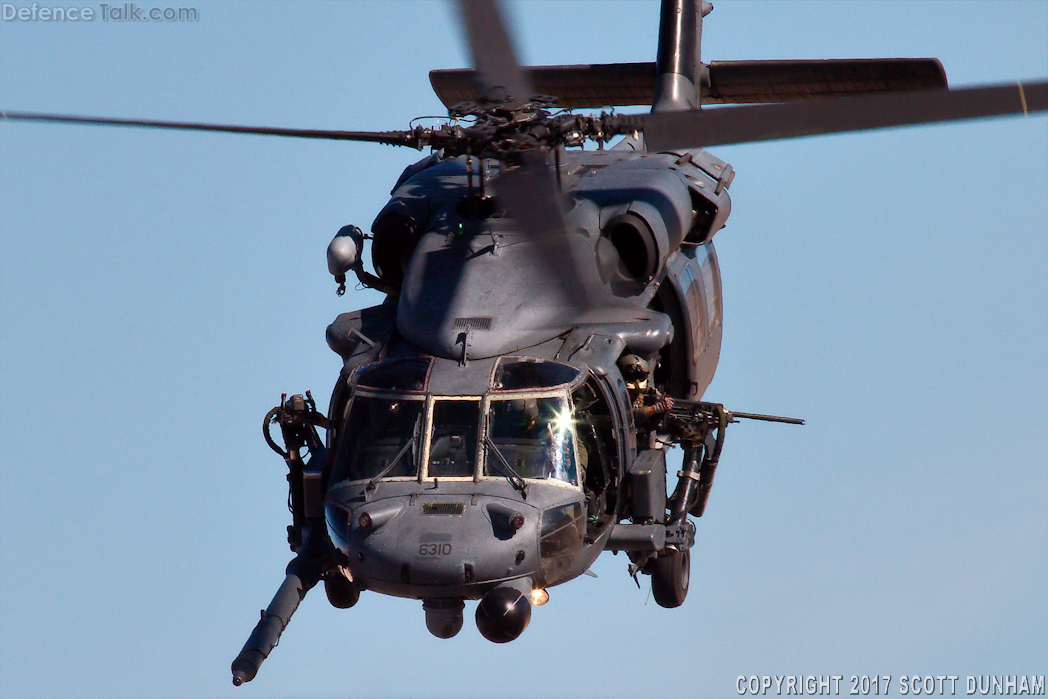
(423, 476)
(561, 391)
(384, 395)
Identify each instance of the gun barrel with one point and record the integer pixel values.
(301, 577)
(692, 409)
(768, 418)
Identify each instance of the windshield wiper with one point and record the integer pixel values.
(390, 466)
(396, 459)
(512, 476)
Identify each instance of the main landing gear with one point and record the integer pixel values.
(664, 550)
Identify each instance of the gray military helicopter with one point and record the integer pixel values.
(552, 321)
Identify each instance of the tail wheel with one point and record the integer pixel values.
(670, 577)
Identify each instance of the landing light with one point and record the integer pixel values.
(539, 597)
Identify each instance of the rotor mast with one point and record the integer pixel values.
(680, 73)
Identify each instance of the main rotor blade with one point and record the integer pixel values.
(711, 127)
(529, 192)
(498, 76)
(393, 138)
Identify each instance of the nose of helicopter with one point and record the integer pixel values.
(437, 546)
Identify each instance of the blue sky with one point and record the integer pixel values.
(158, 292)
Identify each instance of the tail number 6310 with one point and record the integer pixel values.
(434, 549)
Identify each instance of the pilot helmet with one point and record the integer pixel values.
(526, 407)
(634, 368)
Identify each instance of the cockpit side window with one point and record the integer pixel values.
(453, 446)
(533, 436)
(598, 453)
(380, 432)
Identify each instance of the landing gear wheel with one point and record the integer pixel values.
(341, 592)
(669, 579)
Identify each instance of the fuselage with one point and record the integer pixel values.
(481, 428)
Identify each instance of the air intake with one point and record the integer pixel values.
(443, 508)
(474, 323)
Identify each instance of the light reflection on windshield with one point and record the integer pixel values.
(534, 436)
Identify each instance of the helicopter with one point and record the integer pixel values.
(463, 352)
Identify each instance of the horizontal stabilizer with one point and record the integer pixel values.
(731, 82)
(600, 85)
(747, 82)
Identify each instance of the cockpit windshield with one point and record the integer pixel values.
(533, 436)
(381, 433)
(521, 429)
(453, 446)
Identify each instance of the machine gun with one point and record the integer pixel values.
(699, 428)
(298, 418)
(317, 559)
